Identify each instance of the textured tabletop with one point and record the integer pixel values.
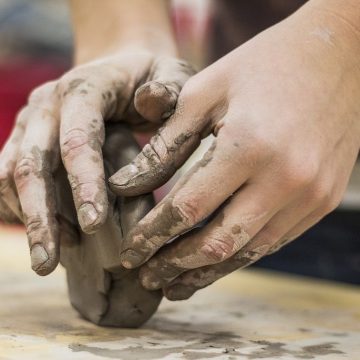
(248, 315)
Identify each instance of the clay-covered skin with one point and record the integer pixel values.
(100, 289)
(64, 122)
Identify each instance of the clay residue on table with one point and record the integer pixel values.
(254, 314)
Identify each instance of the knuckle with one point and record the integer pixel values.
(218, 248)
(295, 176)
(320, 193)
(66, 79)
(187, 213)
(25, 167)
(73, 142)
(35, 226)
(256, 149)
(261, 144)
(88, 191)
(75, 81)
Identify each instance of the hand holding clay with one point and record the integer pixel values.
(65, 119)
(284, 108)
(99, 288)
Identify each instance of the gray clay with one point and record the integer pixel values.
(99, 288)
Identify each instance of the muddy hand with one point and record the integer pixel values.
(64, 120)
(287, 137)
(104, 90)
(27, 163)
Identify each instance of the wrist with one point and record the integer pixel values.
(102, 28)
(145, 39)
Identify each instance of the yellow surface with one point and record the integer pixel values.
(248, 315)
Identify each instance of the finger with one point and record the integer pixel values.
(38, 158)
(196, 196)
(81, 140)
(156, 99)
(170, 147)
(184, 286)
(270, 236)
(280, 229)
(8, 157)
(242, 217)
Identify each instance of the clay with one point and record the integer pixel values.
(100, 289)
(73, 85)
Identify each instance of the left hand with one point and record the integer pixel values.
(284, 108)
(64, 120)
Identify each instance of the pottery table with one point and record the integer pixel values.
(248, 315)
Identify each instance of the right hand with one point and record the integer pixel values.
(284, 109)
(64, 119)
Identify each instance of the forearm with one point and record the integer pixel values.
(104, 27)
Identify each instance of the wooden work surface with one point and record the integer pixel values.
(248, 315)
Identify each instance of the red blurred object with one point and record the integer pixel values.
(192, 22)
(17, 80)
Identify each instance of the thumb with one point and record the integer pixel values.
(156, 99)
(167, 150)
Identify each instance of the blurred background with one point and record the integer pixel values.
(36, 46)
(35, 38)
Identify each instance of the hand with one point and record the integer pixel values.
(66, 118)
(284, 108)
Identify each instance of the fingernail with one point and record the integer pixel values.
(150, 281)
(179, 292)
(87, 215)
(130, 259)
(39, 257)
(124, 175)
